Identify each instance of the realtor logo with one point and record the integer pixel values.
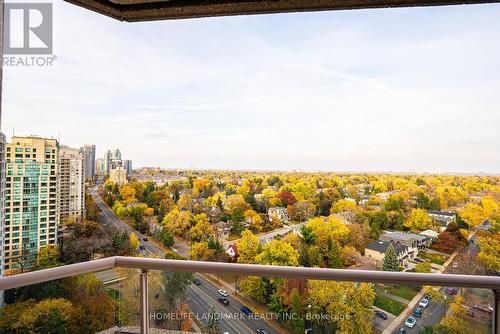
(28, 28)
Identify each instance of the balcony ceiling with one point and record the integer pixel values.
(148, 10)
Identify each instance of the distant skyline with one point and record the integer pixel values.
(403, 90)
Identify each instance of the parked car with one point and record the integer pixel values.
(482, 308)
(223, 293)
(223, 301)
(451, 291)
(145, 239)
(381, 315)
(410, 322)
(418, 312)
(400, 331)
(454, 265)
(261, 331)
(246, 310)
(141, 247)
(423, 303)
(197, 281)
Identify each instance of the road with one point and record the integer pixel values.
(272, 234)
(432, 315)
(199, 298)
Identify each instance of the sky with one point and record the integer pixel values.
(406, 90)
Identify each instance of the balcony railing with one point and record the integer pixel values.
(145, 264)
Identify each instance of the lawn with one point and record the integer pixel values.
(435, 258)
(403, 291)
(389, 305)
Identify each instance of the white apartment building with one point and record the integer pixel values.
(72, 163)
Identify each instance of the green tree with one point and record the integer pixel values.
(213, 325)
(166, 237)
(334, 255)
(297, 322)
(391, 261)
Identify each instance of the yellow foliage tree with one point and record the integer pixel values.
(200, 251)
(418, 220)
(134, 242)
(339, 299)
(254, 220)
(127, 193)
(278, 253)
(248, 247)
(473, 214)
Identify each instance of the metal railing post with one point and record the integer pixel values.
(143, 285)
(496, 321)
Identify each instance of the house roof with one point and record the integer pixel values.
(381, 246)
(148, 10)
(402, 235)
(442, 213)
(430, 233)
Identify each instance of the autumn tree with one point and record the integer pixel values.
(127, 194)
(200, 251)
(278, 253)
(473, 214)
(236, 202)
(254, 220)
(49, 316)
(450, 240)
(418, 220)
(287, 198)
(48, 257)
(248, 247)
(185, 202)
(331, 228)
(177, 221)
(347, 304)
(202, 230)
(134, 242)
(489, 254)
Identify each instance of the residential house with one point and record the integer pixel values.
(414, 242)
(375, 252)
(280, 212)
(232, 252)
(443, 218)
